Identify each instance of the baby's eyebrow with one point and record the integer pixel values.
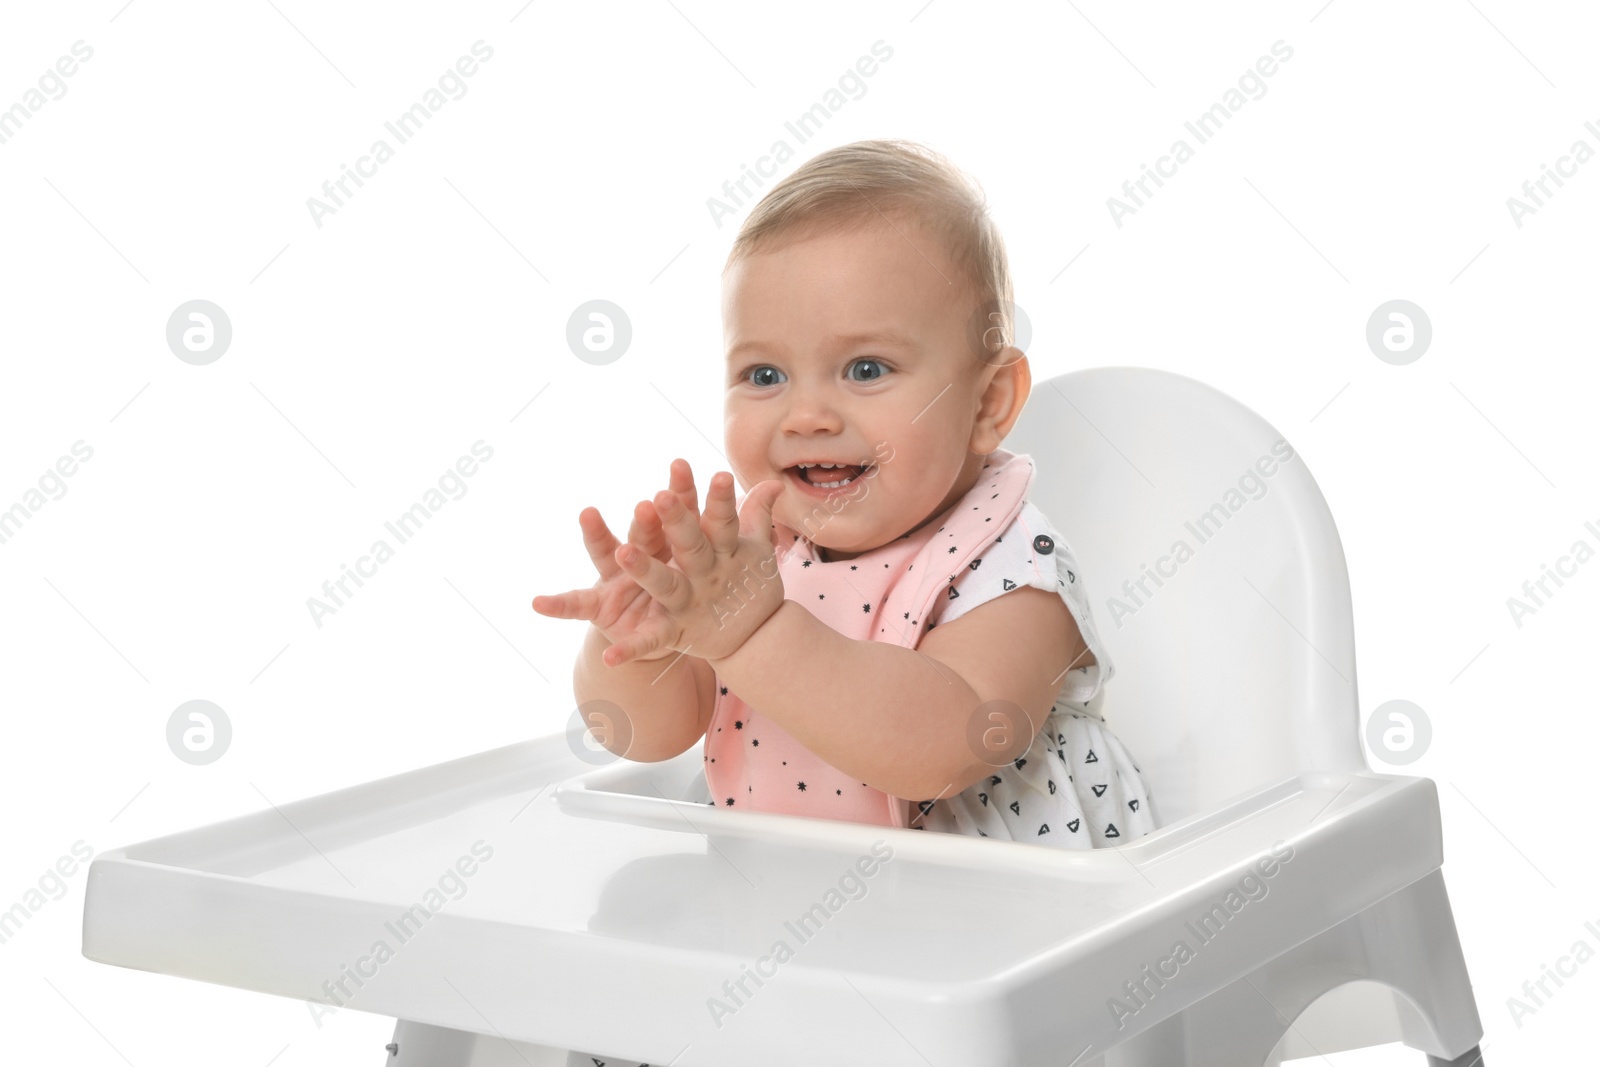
(874, 337)
(841, 340)
(750, 346)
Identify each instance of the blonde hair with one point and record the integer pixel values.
(858, 184)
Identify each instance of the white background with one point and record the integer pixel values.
(430, 312)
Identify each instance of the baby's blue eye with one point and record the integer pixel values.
(753, 374)
(874, 377)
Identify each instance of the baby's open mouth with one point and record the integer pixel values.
(828, 475)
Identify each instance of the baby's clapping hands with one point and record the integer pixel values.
(686, 582)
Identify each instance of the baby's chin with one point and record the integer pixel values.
(851, 529)
(825, 531)
(830, 542)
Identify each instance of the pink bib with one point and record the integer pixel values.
(886, 594)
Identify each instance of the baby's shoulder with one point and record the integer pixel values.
(1031, 540)
(1024, 553)
(1043, 543)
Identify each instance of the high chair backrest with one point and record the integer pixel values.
(1216, 576)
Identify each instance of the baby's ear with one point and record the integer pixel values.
(1003, 399)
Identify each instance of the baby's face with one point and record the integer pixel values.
(852, 348)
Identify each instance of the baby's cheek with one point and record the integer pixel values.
(859, 489)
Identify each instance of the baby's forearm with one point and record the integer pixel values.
(659, 701)
(889, 715)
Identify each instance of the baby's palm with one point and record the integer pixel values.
(617, 605)
(622, 607)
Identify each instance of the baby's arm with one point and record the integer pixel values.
(666, 703)
(905, 720)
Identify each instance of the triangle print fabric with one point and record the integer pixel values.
(1075, 787)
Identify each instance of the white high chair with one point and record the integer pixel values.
(616, 904)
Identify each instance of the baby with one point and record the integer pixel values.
(885, 630)
(843, 639)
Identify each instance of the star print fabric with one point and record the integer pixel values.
(1075, 787)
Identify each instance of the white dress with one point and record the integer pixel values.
(1076, 786)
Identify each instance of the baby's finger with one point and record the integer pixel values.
(664, 584)
(599, 540)
(646, 532)
(721, 520)
(689, 545)
(631, 647)
(681, 485)
(578, 604)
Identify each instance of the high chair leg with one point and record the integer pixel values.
(1470, 1058)
(1406, 942)
(424, 1045)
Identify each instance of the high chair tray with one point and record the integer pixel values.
(521, 892)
